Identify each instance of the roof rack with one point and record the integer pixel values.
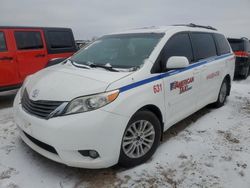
(194, 25)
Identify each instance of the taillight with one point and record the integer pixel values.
(241, 54)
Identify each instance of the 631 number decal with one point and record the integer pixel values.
(157, 88)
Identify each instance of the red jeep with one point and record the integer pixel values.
(26, 50)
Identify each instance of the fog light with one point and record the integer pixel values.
(89, 153)
(93, 154)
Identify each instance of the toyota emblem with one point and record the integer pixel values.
(35, 93)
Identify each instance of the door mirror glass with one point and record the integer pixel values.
(177, 62)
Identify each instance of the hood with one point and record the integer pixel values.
(65, 82)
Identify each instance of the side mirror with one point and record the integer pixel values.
(177, 62)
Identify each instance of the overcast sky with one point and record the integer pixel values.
(97, 17)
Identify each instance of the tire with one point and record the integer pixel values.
(246, 73)
(222, 96)
(135, 146)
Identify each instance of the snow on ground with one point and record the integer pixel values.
(209, 149)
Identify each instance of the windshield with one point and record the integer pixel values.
(119, 51)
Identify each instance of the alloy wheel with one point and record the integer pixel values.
(138, 139)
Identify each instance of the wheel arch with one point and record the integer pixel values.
(156, 111)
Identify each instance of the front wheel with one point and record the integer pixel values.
(140, 140)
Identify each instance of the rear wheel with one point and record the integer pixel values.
(222, 94)
(246, 72)
(140, 140)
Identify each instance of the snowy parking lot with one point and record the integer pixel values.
(209, 149)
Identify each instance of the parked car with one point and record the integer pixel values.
(26, 50)
(111, 102)
(241, 48)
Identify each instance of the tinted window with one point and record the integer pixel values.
(247, 46)
(2, 42)
(203, 44)
(27, 40)
(236, 44)
(178, 45)
(222, 44)
(60, 39)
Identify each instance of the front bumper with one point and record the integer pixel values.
(96, 130)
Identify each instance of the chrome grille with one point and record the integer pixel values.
(39, 108)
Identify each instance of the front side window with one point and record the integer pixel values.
(120, 51)
(203, 45)
(28, 40)
(178, 45)
(2, 42)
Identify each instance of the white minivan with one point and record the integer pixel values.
(111, 102)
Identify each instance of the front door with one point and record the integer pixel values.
(31, 51)
(180, 85)
(181, 98)
(8, 67)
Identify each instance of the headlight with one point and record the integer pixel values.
(92, 102)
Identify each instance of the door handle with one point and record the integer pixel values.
(6, 58)
(40, 55)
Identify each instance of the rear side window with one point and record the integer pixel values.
(203, 45)
(28, 40)
(178, 45)
(60, 39)
(236, 44)
(222, 44)
(247, 46)
(2, 42)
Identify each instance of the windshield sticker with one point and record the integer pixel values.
(183, 85)
(212, 75)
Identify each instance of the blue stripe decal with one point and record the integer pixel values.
(170, 73)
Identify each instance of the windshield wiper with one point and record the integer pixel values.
(135, 68)
(78, 65)
(106, 66)
(88, 65)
